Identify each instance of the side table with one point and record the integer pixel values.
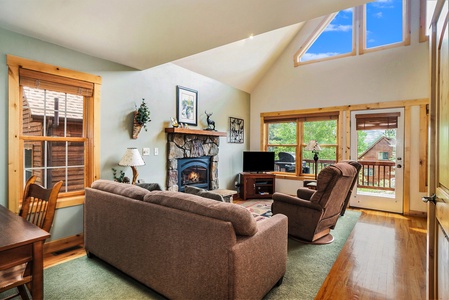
(227, 195)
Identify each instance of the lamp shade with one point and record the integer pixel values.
(131, 158)
(313, 146)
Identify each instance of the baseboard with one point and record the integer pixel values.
(415, 213)
(64, 243)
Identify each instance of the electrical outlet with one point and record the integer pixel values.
(146, 151)
(156, 151)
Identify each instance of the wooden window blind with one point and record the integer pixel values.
(377, 121)
(45, 81)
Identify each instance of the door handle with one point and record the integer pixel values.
(432, 199)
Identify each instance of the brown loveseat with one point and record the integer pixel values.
(184, 246)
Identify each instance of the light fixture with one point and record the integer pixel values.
(315, 148)
(133, 159)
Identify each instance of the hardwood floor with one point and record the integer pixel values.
(383, 258)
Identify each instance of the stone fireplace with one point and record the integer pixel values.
(193, 150)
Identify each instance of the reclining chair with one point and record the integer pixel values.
(313, 214)
(357, 166)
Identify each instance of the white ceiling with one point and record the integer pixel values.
(205, 36)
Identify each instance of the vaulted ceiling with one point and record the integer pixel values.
(209, 37)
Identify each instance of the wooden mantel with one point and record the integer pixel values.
(195, 131)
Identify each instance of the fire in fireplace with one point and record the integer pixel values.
(193, 171)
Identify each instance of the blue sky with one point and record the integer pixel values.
(383, 25)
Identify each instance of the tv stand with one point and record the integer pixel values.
(256, 185)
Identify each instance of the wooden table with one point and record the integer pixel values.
(226, 194)
(20, 242)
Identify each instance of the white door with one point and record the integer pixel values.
(377, 142)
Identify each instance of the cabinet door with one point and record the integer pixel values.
(250, 187)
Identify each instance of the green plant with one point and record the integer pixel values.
(119, 178)
(143, 114)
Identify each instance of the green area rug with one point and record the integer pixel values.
(307, 268)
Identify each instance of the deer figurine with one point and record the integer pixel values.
(210, 123)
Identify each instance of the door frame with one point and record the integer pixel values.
(378, 202)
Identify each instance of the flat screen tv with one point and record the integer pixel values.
(258, 161)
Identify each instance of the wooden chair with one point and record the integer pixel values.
(38, 207)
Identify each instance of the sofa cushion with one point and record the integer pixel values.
(123, 189)
(241, 219)
(203, 193)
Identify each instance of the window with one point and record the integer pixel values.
(380, 25)
(383, 155)
(288, 138)
(53, 129)
(335, 40)
(385, 23)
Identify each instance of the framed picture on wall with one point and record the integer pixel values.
(186, 105)
(236, 130)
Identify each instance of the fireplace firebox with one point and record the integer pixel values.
(194, 171)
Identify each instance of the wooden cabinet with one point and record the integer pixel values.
(256, 185)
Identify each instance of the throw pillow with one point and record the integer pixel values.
(203, 193)
(150, 186)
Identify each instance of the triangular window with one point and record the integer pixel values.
(336, 39)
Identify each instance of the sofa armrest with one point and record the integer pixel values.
(260, 261)
(295, 201)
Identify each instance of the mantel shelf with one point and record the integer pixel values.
(195, 131)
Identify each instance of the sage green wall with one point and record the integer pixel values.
(123, 87)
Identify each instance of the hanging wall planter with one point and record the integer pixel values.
(141, 118)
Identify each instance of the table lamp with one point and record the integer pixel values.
(132, 158)
(315, 148)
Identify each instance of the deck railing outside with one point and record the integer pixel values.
(376, 175)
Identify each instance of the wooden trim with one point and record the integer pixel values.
(264, 135)
(352, 53)
(94, 134)
(14, 145)
(415, 213)
(195, 131)
(311, 39)
(348, 134)
(407, 16)
(317, 116)
(52, 138)
(340, 137)
(369, 106)
(423, 146)
(14, 61)
(423, 37)
(70, 201)
(406, 159)
(361, 28)
(61, 244)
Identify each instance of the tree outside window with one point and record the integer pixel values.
(289, 138)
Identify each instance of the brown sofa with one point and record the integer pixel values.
(184, 246)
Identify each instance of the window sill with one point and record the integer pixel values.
(70, 201)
